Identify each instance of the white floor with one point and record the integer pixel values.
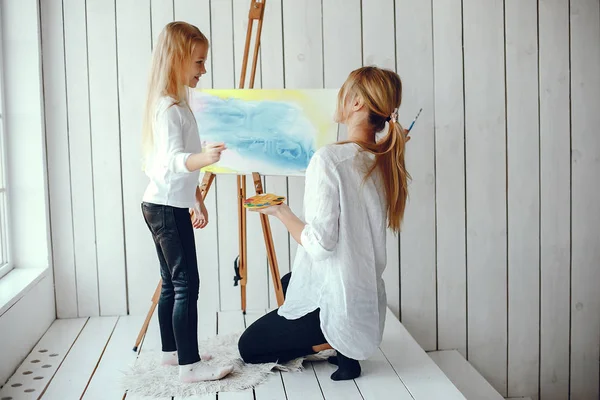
(84, 358)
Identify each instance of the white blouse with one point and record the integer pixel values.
(340, 264)
(175, 138)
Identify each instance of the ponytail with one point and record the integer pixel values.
(381, 93)
(389, 162)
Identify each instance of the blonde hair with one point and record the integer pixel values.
(172, 52)
(381, 93)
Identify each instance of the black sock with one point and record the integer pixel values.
(348, 368)
(333, 360)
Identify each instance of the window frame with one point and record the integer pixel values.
(6, 264)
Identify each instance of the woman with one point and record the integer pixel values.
(353, 191)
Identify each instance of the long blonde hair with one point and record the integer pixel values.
(172, 52)
(381, 93)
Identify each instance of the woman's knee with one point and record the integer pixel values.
(245, 347)
(255, 341)
(285, 281)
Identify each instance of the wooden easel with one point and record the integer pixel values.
(257, 11)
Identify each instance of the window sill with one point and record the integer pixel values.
(15, 284)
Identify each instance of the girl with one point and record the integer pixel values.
(354, 191)
(173, 157)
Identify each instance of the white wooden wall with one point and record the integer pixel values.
(500, 251)
(25, 318)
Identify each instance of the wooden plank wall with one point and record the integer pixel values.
(500, 251)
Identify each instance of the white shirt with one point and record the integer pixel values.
(175, 138)
(340, 264)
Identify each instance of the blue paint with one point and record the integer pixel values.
(268, 131)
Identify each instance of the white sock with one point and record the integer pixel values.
(170, 358)
(199, 372)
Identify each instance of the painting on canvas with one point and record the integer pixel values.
(269, 131)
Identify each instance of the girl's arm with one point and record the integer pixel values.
(199, 212)
(198, 161)
(171, 136)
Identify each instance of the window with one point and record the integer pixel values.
(5, 264)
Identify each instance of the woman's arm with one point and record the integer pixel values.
(293, 224)
(319, 234)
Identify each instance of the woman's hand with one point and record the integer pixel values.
(274, 211)
(285, 214)
(405, 133)
(199, 216)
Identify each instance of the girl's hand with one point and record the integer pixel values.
(199, 216)
(210, 155)
(213, 152)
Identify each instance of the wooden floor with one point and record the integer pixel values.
(84, 358)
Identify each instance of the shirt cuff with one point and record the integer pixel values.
(178, 162)
(311, 244)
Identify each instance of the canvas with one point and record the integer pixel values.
(269, 131)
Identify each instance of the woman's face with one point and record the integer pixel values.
(342, 110)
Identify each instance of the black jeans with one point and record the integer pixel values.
(273, 338)
(173, 236)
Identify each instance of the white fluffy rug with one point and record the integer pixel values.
(148, 378)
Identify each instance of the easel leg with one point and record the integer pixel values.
(241, 184)
(320, 347)
(259, 7)
(272, 257)
(257, 10)
(144, 329)
(207, 181)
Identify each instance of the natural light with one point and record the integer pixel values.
(4, 256)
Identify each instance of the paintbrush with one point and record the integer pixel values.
(413, 122)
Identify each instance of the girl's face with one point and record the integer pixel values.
(196, 67)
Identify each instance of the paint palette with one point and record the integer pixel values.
(263, 201)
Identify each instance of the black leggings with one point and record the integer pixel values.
(273, 338)
(173, 237)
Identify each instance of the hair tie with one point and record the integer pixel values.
(394, 116)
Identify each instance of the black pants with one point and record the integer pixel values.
(273, 338)
(173, 236)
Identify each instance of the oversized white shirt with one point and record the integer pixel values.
(339, 266)
(175, 138)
